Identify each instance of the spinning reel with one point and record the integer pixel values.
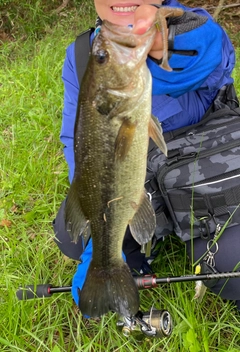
(154, 323)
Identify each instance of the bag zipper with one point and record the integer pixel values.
(210, 127)
(214, 180)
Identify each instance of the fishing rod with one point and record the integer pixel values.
(154, 323)
(143, 282)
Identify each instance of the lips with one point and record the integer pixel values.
(124, 9)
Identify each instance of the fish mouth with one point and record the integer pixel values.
(123, 35)
(125, 48)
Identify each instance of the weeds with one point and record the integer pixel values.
(31, 18)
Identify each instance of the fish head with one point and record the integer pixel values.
(118, 67)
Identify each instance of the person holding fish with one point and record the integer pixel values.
(105, 132)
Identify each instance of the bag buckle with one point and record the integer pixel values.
(204, 227)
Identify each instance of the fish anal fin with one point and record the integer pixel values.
(142, 225)
(156, 133)
(76, 223)
(124, 139)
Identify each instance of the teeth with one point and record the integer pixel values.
(124, 9)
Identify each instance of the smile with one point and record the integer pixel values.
(124, 9)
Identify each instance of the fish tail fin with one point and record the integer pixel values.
(76, 223)
(113, 289)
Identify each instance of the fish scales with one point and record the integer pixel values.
(111, 136)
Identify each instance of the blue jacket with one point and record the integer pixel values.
(180, 98)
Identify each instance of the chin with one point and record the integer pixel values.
(121, 19)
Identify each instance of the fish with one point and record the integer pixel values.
(111, 137)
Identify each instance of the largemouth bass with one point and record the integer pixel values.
(111, 138)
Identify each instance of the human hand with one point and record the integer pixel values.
(144, 18)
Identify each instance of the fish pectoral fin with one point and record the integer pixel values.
(124, 139)
(142, 225)
(156, 133)
(76, 223)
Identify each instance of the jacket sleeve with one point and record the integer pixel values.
(71, 92)
(209, 68)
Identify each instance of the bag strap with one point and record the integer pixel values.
(82, 50)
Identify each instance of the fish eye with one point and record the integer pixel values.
(101, 56)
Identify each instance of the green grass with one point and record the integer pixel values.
(34, 181)
(236, 71)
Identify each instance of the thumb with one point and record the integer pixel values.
(144, 18)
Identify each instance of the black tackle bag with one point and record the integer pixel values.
(200, 179)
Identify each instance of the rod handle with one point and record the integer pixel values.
(31, 291)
